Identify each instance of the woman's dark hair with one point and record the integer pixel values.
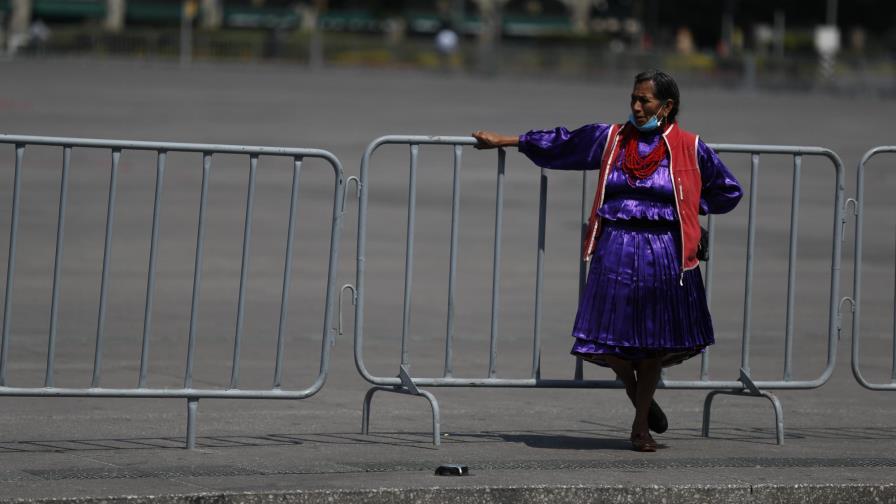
(664, 87)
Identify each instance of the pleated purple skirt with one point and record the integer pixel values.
(636, 303)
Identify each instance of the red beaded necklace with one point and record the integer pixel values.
(633, 164)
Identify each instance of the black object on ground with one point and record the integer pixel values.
(452, 470)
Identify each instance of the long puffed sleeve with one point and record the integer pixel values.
(561, 149)
(721, 191)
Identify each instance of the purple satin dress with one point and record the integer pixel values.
(637, 304)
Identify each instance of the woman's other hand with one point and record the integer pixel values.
(492, 140)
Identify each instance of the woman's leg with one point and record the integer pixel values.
(640, 380)
(625, 371)
(648, 373)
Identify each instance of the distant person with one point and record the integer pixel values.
(447, 44)
(644, 306)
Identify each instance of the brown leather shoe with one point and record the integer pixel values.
(643, 442)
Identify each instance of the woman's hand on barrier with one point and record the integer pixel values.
(492, 140)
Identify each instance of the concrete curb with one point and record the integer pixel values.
(779, 494)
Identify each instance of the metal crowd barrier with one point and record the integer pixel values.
(188, 391)
(857, 279)
(744, 386)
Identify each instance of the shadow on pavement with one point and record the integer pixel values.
(607, 438)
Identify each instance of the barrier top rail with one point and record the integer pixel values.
(162, 148)
(778, 149)
(857, 276)
(171, 147)
(535, 380)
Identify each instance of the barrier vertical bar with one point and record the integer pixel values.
(104, 281)
(748, 288)
(57, 266)
(328, 333)
(836, 252)
(360, 264)
(192, 412)
(409, 254)
(711, 226)
(791, 267)
(197, 270)
(452, 268)
(579, 371)
(11, 261)
(857, 271)
(893, 371)
(287, 271)
(539, 273)
(496, 265)
(161, 158)
(244, 272)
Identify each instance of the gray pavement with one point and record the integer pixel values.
(521, 445)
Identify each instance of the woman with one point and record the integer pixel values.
(644, 305)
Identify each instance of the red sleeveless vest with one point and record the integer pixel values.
(686, 180)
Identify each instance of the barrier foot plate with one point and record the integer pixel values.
(407, 387)
(750, 389)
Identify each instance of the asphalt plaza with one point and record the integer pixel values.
(839, 434)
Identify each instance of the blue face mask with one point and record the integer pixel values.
(651, 124)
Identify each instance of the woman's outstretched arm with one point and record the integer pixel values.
(492, 140)
(557, 149)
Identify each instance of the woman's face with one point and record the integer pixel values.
(645, 104)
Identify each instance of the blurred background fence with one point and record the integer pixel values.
(825, 44)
